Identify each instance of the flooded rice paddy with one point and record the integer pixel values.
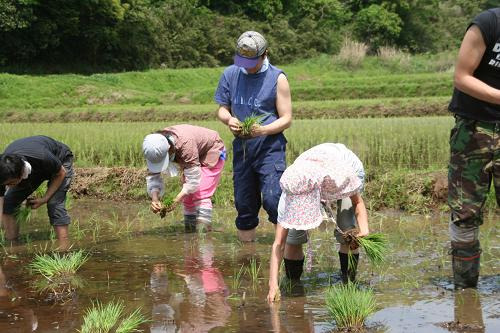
(202, 282)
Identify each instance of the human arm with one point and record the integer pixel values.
(54, 184)
(155, 189)
(192, 179)
(361, 214)
(276, 256)
(225, 116)
(469, 57)
(284, 108)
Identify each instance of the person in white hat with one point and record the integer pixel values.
(199, 152)
(324, 174)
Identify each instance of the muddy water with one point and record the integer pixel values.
(186, 282)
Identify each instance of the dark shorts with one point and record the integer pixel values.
(474, 164)
(56, 206)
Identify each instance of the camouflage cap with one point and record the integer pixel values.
(249, 47)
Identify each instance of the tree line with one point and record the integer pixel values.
(118, 35)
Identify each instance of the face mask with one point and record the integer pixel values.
(26, 170)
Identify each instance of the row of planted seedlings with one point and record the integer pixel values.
(57, 279)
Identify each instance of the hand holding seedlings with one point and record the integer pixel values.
(34, 203)
(250, 127)
(234, 126)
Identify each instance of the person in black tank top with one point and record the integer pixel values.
(474, 142)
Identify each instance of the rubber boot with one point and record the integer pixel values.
(294, 268)
(465, 262)
(190, 223)
(348, 273)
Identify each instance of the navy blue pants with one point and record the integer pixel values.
(256, 176)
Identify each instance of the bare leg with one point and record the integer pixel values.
(62, 234)
(247, 235)
(10, 227)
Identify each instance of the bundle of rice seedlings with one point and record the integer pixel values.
(375, 246)
(23, 214)
(58, 264)
(168, 205)
(58, 272)
(104, 318)
(246, 128)
(249, 123)
(349, 306)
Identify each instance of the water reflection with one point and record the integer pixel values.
(203, 306)
(468, 311)
(12, 312)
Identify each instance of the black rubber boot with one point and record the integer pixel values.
(294, 268)
(348, 273)
(190, 223)
(465, 261)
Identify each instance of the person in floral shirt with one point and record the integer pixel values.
(322, 175)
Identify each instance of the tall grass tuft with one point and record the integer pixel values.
(101, 318)
(349, 306)
(23, 214)
(58, 273)
(130, 323)
(253, 270)
(352, 53)
(57, 264)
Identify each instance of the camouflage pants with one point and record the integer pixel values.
(474, 163)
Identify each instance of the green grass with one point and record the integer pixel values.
(185, 93)
(349, 305)
(101, 318)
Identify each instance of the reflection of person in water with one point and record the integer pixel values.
(8, 306)
(468, 311)
(293, 317)
(162, 313)
(206, 303)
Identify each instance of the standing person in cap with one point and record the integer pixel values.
(24, 165)
(254, 87)
(474, 142)
(323, 174)
(199, 152)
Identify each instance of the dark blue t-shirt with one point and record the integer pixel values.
(488, 71)
(45, 155)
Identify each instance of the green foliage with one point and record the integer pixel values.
(349, 305)
(375, 247)
(377, 26)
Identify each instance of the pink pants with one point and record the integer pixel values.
(201, 199)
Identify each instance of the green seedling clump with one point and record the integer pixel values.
(168, 205)
(249, 123)
(375, 246)
(350, 306)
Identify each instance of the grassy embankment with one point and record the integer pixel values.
(405, 158)
(321, 87)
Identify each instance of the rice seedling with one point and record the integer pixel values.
(236, 281)
(374, 245)
(168, 205)
(349, 305)
(253, 270)
(58, 272)
(58, 264)
(23, 214)
(248, 124)
(101, 318)
(132, 322)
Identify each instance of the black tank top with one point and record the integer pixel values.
(488, 71)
